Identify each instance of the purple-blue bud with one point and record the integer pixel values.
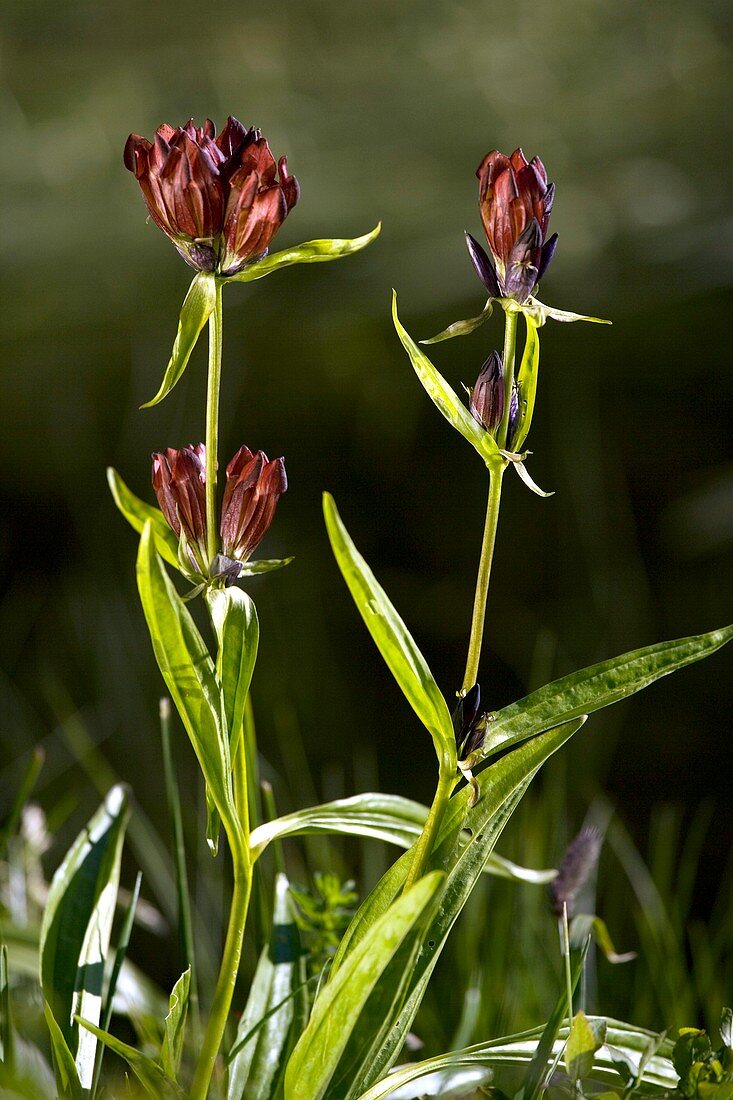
(523, 264)
(487, 396)
(548, 251)
(513, 413)
(483, 266)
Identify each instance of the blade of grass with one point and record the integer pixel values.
(10, 824)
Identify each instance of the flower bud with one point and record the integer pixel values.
(576, 868)
(220, 199)
(254, 486)
(513, 413)
(469, 724)
(179, 481)
(487, 396)
(515, 200)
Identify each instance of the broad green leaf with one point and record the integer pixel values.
(595, 687)
(444, 397)
(77, 924)
(274, 1015)
(466, 839)
(151, 1076)
(394, 641)
(310, 252)
(352, 1011)
(518, 1050)
(175, 1026)
(198, 305)
(527, 383)
(189, 674)
(137, 513)
(463, 328)
(540, 313)
(385, 817)
(583, 1042)
(238, 633)
(67, 1077)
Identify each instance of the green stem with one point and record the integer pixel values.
(510, 340)
(212, 425)
(496, 474)
(227, 979)
(425, 844)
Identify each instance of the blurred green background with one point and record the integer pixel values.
(384, 111)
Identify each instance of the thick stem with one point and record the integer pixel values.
(227, 979)
(212, 426)
(470, 676)
(510, 340)
(425, 844)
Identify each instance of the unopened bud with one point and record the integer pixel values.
(487, 396)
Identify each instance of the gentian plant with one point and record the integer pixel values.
(336, 990)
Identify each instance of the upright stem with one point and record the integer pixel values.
(510, 340)
(428, 836)
(212, 425)
(227, 979)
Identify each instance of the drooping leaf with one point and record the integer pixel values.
(77, 924)
(394, 641)
(137, 513)
(585, 1038)
(274, 1015)
(198, 305)
(263, 565)
(445, 398)
(175, 1026)
(67, 1076)
(518, 1050)
(524, 475)
(189, 674)
(385, 817)
(463, 328)
(310, 252)
(588, 924)
(527, 383)
(352, 1011)
(595, 687)
(466, 838)
(151, 1076)
(540, 313)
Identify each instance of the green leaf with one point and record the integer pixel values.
(444, 397)
(7, 1044)
(264, 565)
(726, 1027)
(466, 839)
(238, 633)
(587, 924)
(189, 674)
(518, 1050)
(137, 513)
(77, 924)
(463, 328)
(9, 826)
(198, 305)
(175, 1026)
(353, 1011)
(595, 687)
(274, 1015)
(67, 1077)
(527, 383)
(585, 1038)
(311, 252)
(394, 641)
(151, 1076)
(541, 313)
(387, 817)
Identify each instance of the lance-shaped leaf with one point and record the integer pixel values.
(595, 687)
(264, 565)
(151, 1076)
(387, 817)
(276, 1010)
(67, 1076)
(445, 399)
(467, 837)
(198, 305)
(311, 252)
(175, 1026)
(354, 1010)
(393, 639)
(527, 383)
(77, 924)
(540, 313)
(137, 513)
(189, 674)
(518, 1050)
(463, 328)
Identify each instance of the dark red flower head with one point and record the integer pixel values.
(179, 480)
(220, 198)
(254, 486)
(515, 201)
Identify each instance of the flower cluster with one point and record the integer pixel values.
(221, 198)
(254, 486)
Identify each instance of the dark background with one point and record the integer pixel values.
(384, 111)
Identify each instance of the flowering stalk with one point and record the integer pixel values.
(213, 387)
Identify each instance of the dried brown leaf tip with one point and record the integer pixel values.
(221, 198)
